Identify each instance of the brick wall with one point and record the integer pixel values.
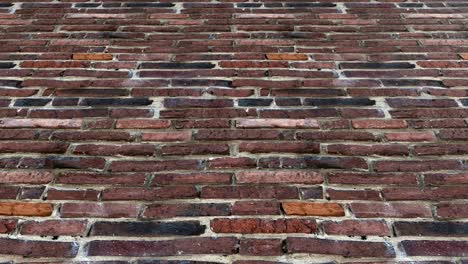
(209, 132)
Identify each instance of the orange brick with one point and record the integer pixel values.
(286, 56)
(317, 209)
(25, 209)
(92, 56)
(464, 56)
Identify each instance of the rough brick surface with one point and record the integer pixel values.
(233, 131)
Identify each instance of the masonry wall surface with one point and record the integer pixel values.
(234, 132)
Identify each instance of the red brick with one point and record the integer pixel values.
(452, 210)
(356, 228)
(54, 228)
(38, 249)
(404, 210)
(256, 208)
(441, 149)
(379, 124)
(105, 210)
(7, 225)
(81, 178)
(368, 150)
(416, 165)
(192, 178)
(40, 123)
(146, 166)
(28, 177)
(410, 136)
(286, 147)
(260, 247)
(155, 193)
(250, 192)
(182, 210)
(166, 136)
(340, 247)
(205, 134)
(435, 193)
(266, 226)
(186, 246)
(241, 162)
(60, 194)
(194, 149)
(434, 248)
(355, 194)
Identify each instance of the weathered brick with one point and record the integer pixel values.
(279, 177)
(145, 166)
(187, 228)
(285, 147)
(167, 136)
(54, 228)
(431, 228)
(195, 103)
(416, 165)
(7, 226)
(403, 210)
(367, 150)
(356, 228)
(256, 208)
(376, 65)
(340, 247)
(35, 249)
(451, 210)
(92, 136)
(40, 123)
(379, 124)
(286, 56)
(266, 226)
(105, 210)
(28, 177)
(337, 135)
(204, 134)
(186, 246)
(260, 247)
(181, 210)
(372, 178)
(409, 136)
(339, 102)
(441, 149)
(61, 194)
(192, 178)
(434, 248)
(194, 149)
(101, 178)
(142, 124)
(155, 193)
(92, 56)
(277, 123)
(251, 192)
(114, 150)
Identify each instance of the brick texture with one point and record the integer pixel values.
(233, 131)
